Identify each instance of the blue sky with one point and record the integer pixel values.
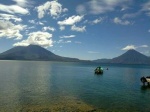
(84, 29)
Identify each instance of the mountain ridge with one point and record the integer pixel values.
(32, 52)
(38, 53)
(129, 57)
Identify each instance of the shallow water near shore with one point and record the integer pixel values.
(40, 86)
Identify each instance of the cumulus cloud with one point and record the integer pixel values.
(48, 28)
(121, 22)
(78, 29)
(8, 17)
(10, 30)
(67, 36)
(128, 47)
(13, 9)
(101, 6)
(50, 7)
(71, 20)
(37, 38)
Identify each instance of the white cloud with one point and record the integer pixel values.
(131, 15)
(67, 36)
(8, 17)
(98, 7)
(62, 28)
(48, 28)
(93, 22)
(37, 38)
(146, 8)
(50, 7)
(40, 23)
(23, 3)
(86, 21)
(81, 9)
(40, 11)
(36, 23)
(78, 29)
(96, 21)
(32, 21)
(101, 6)
(32, 27)
(10, 30)
(149, 30)
(124, 7)
(59, 41)
(64, 42)
(128, 47)
(65, 10)
(71, 20)
(68, 41)
(121, 22)
(13, 9)
(144, 46)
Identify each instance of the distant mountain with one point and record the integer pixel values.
(35, 52)
(131, 57)
(32, 52)
(102, 60)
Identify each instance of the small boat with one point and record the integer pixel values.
(99, 70)
(145, 79)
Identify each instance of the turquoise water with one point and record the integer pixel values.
(27, 86)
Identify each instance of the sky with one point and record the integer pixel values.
(84, 29)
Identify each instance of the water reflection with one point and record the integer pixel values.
(132, 74)
(27, 84)
(34, 86)
(145, 87)
(9, 90)
(34, 83)
(56, 86)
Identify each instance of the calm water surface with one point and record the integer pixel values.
(57, 86)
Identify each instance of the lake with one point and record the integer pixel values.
(43, 86)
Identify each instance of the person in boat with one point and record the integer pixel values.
(99, 70)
